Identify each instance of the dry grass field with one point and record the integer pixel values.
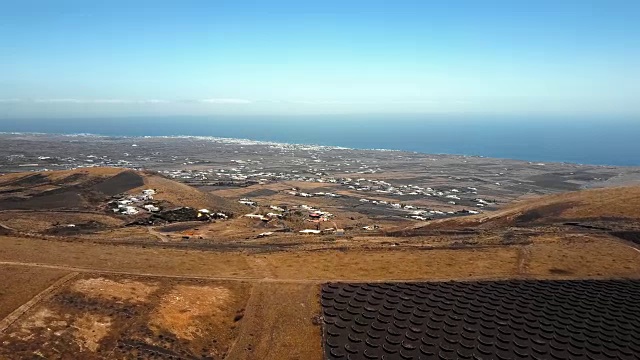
(586, 256)
(21, 283)
(395, 264)
(111, 258)
(582, 256)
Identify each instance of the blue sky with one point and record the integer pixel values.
(122, 58)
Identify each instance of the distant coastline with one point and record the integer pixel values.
(235, 141)
(581, 142)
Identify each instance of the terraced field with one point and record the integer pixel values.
(579, 319)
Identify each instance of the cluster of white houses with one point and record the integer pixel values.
(416, 212)
(133, 204)
(315, 215)
(206, 213)
(50, 163)
(253, 171)
(241, 173)
(297, 192)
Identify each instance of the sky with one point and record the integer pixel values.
(125, 58)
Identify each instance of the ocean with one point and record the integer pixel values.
(597, 141)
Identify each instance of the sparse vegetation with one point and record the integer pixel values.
(212, 289)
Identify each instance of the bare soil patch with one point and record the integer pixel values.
(90, 329)
(181, 308)
(20, 284)
(104, 318)
(126, 289)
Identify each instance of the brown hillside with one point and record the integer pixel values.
(185, 195)
(69, 189)
(86, 188)
(619, 203)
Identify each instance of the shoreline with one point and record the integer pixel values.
(299, 146)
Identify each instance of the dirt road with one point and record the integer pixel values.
(163, 238)
(46, 293)
(279, 323)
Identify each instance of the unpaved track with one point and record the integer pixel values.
(113, 272)
(163, 238)
(243, 278)
(260, 266)
(7, 228)
(626, 243)
(524, 256)
(278, 324)
(44, 294)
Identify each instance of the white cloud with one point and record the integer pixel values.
(106, 101)
(124, 101)
(47, 101)
(236, 101)
(98, 101)
(327, 102)
(154, 101)
(225, 101)
(368, 102)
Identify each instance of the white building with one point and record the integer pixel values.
(151, 208)
(310, 231)
(129, 210)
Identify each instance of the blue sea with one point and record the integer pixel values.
(600, 141)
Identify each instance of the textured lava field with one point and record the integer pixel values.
(519, 319)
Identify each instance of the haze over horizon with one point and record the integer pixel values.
(89, 59)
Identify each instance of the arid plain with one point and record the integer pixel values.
(92, 270)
